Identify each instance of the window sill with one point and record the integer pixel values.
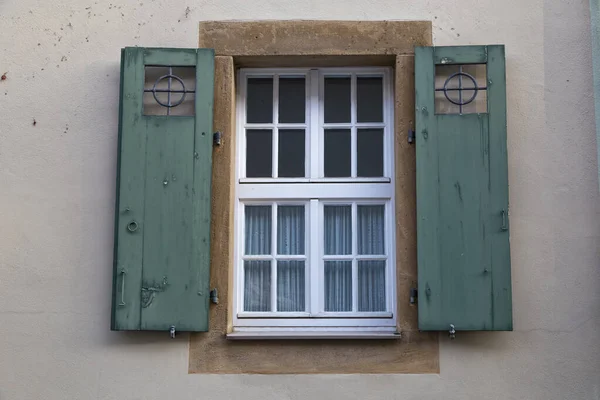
(287, 335)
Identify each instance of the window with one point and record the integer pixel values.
(314, 217)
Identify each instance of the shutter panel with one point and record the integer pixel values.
(162, 223)
(462, 189)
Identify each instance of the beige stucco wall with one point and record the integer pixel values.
(57, 199)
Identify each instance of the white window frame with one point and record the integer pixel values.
(315, 191)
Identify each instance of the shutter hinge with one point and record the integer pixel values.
(172, 332)
(452, 332)
(414, 293)
(411, 136)
(214, 296)
(217, 138)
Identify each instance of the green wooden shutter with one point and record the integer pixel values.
(162, 223)
(462, 191)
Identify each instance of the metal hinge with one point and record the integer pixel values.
(411, 136)
(217, 138)
(452, 332)
(214, 296)
(414, 293)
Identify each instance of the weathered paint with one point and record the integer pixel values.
(163, 204)
(462, 201)
(57, 206)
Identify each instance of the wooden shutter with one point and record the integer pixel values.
(162, 223)
(462, 190)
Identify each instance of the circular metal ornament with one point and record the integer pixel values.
(475, 89)
(183, 92)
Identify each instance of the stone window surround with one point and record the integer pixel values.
(312, 43)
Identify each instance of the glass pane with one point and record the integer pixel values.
(338, 285)
(291, 153)
(461, 82)
(371, 229)
(369, 99)
(157, 83)
(259, 100)
(337, 100)
(371, 286)
(369, 149)
(338, 230)
(259, 153)
(337, 153)
(257, 235)
(292, 100)
(290, 286)
(290, 230)
(257, 286)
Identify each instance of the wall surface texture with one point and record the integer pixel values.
(58, 140)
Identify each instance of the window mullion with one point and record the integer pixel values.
(354, 261)
(275, 132)
(274, 258)
(313, 132)
(353, 102)
(314, 263)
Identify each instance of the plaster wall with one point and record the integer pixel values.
(57, 199)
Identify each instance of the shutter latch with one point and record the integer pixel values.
(217, 138)
(411, 136)
(452, 332)
(172, 332)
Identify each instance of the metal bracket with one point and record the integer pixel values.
(214, 296)
(414, 293)
(172, 332)
(217, 138)
(452, 332)
(411, 136)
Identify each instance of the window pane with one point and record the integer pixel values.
(371, 286)
(338, 285)
(258, 230)
(257, 285)
(460, 82)
(290, 230)
(337, 153)
(369, 150)
(290, 286)
(371, 230)
(160, 91)
(337, 100)
(292, 100)
(291, 153)
(259, 100)
(369, 99)
(338, 230)
(259, 153)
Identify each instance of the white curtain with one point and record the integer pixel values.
(290, 241)
(291, 287)
(338, 274)
(371, 273)
(257, 274)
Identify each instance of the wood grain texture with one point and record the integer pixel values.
(462, 192)
(460, 55)
(128, 247)
(501, 267)
(164, 191)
